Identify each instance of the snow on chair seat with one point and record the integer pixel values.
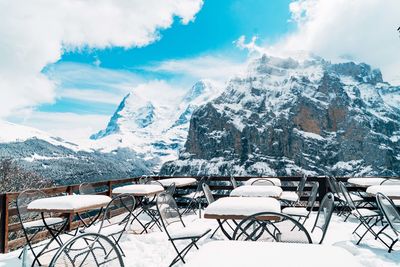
(289, 196)
(295, 211)
(39, 223)
(189, 231)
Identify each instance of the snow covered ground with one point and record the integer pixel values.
(153, 249)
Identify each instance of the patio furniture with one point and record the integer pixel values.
(242, 253)
(391, 191)
(390, 181)
(195, 198)
(392, 217)
(304, 212)
(238, 208)
(275, 181)
(279, 228)
(32, 222)
(170, 189)
(170, 219)
(143, 193)
(86, 189)
(179, 182)
(369, 181)
(292, 197)
(88, 250)
(233, 182)
(69, 204)
(256, 191)
(367, 218)
(114, 227)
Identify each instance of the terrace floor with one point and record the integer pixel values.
(153, 249)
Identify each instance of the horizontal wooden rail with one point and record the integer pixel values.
(10, 229)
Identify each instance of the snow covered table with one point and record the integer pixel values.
(391, 191)
(366, 182)
(179, 182)
(256, 191)
(69, 203)
(246, 253)
(238, 208)
(275, 181)
(139, 190)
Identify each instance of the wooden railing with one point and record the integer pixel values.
(10, 228)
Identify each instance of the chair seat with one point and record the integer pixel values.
(39, 223)
(106, 230)
(289, 196)
(194, 195)
(365, 212)
(196, 230)
(354, 197)
(295, 211)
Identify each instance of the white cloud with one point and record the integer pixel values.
(35, 33)
(214, 67)
(361, 30)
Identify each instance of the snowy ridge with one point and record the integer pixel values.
(156, 129)
(293, 116)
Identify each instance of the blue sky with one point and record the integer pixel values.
(215, 28)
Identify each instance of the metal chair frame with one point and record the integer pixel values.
(196, 200)
(391, 219)
(31, 232)
(367, 221)
(262, 181)
(127, 202)
(252, 228)
(326, 208)
(94, 243)
(233, 182)
(166, 203)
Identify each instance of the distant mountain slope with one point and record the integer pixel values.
(152, 128)
(64, 162)
(297, 116)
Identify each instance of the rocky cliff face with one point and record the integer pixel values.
(288, 117)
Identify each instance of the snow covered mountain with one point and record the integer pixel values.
(293, 116)
(156, 129)
(64, 162)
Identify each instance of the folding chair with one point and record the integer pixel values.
(195, 198)
(304, 212)
(323, 218)
(32, 222)
(114, 227)
(89, 249)
(392, 217)
(169, 214)
(292, 197)
(91, 216)
(367, 218)
(233, 182)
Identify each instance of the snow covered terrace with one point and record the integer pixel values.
(154, 248)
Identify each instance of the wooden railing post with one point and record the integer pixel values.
(323, 188)
(70, 215)
(4, 223)
(109, 191)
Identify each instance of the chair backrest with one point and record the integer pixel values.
(234, 182)
(262, 181)
(271, 227)
(331, 185)
(88, 249)
(313, 196)
(168, 210)
(389, 211)
(301, 185)
(347, 196)
(324, 215)
(171, 189)
(207, 192)
(143, 179)
(152, 181)
(123, 203)
(390, 181)
(23, 200)
(86, 189)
